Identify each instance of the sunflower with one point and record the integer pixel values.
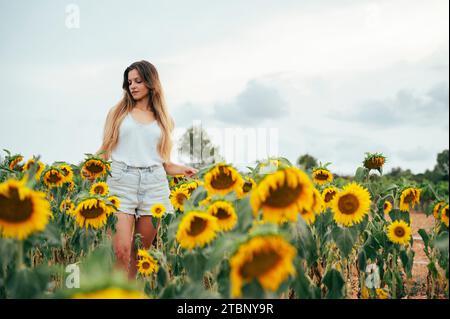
(158, 210)
(142, 253)
(178, 196)
(205, 202)
(222, 179)
(225, 214)
(248, 185)
(282, 194)
(318, 204)
(67, 206)
(175, 180)
(71, 186)
(328, 195)
(437, 209)
(100, 188)
(444, 215)
(381, 293)
(23, 211)
(350, 205)
(92, 212)
(40, 167)
(308, 215)
(95, 168)
(14, 161)
(399, 232)
(268, 259)
(115, 201)
(67, 172)
(409, 198)
(322, 176)
(147, 266)
(53, 177)
(196, 229)
(110, 293)
(387, 207)
(374, 161)
(191, 186)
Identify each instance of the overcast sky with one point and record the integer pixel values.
(336, 78)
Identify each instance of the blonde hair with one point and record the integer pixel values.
(157, 104)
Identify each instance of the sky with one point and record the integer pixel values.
(333, 79)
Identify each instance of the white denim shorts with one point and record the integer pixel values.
(139, 188)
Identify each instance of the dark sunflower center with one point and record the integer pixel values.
(98, 189)
(322, 176)
(145, 265)
(399, 231)
(303, 212)
(65, 171)
(92, 212)
(94, 168)
(261, 263)
(329, 196)
(386, 205)
(348, 204)
(54, 177)
(158, 210)
(283, 196)
(409, 198)
(247, 187)
(181, 198)
(13, 209)
(445, 212)
(198, 225)
(222, 214)
(222, 181)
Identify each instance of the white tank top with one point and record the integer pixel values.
(137, 143)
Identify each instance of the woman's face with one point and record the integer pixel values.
(136, 85)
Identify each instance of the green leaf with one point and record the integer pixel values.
(335, 284)
(222, 245)
(253, 290)
(407, 259)
(162, 277)
(307, 248)
(223, 279)
(397, 214)
(362, 260)
(195, 263)
(27, 283)
(361, 174)
(303, 286)
(344, 238)
(426, 239)
(244, 213)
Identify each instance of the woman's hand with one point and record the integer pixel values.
(189, 171)
(175, 169)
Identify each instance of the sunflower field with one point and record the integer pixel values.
(276, 231)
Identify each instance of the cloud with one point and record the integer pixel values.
(405, 108)
(255, 104)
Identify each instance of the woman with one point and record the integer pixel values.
(137, 139)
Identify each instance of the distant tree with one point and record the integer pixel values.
(306, 162)
(398, 172)
(196, 148)
(442, 164)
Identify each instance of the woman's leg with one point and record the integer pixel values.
(143, 226)
(122, 240)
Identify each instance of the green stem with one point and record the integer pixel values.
(20, 263)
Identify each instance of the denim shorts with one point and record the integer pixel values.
(139, 188)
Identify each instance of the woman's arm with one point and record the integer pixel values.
(175, 169)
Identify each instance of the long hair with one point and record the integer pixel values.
(156, 103)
